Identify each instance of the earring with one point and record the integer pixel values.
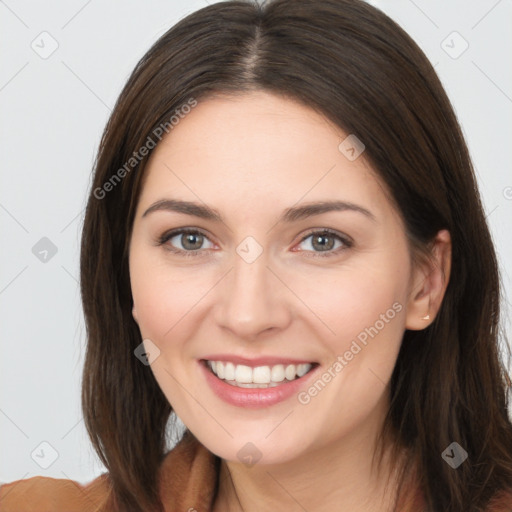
(426, 317)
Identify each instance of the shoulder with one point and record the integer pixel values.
(501, 502)
(38, 494)
(187, 479)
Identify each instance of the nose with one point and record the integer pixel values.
(252, 300)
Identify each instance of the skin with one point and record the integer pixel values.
(251, 157)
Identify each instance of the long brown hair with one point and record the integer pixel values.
(354, 65)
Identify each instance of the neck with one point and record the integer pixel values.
(337, 476)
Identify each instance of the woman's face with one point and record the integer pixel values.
(259, 283)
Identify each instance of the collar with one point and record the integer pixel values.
(189, 477)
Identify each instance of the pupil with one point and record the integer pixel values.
(321, 241)
(191, 241)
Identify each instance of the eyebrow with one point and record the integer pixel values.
(292, 214)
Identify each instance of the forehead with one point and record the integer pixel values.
(254, 151)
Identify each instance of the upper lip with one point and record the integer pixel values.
(256, 361)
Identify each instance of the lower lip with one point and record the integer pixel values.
(255, 398)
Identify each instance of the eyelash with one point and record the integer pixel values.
(182, 231)
(347, 242)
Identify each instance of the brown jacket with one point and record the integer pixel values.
(188, 483)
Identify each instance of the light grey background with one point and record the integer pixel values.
(53, 112)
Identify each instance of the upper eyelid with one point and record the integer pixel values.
(167, 235)
(329, 231)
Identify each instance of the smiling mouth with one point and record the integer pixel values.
(243, 376)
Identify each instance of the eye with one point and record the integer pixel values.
(185, 241)
(325, 241)
(190, 242)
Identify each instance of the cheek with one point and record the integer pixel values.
(359, 303)
(165, 296)
(168, 302)
(365, 310)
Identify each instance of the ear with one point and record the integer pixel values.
(134, 314)
(429, 282)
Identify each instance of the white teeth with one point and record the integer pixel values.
(260, 376)
(220, 369)
(277, 374)
(242, 374)
(229, 371)
(302, 369)
(290, 372)
(252, 385)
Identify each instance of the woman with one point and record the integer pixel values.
(284, 245)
